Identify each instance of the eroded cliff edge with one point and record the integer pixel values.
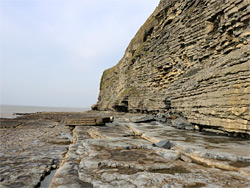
(191, 56)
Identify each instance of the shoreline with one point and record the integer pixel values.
(8, 111)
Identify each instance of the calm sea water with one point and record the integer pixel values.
(7, 111)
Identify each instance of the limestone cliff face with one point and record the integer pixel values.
(190, 55)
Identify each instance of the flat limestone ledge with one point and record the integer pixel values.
(120, 137)
(119, 155)
(31, 150)
(114, 157)
(213, 150)
(67, 174)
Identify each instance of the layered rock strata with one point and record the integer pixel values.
(191, 56)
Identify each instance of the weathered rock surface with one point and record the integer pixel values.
(129, 152)
(30, 151)
(67, 174)
(115, 157)
(164, 144)
(182, 123)
(33, 145)
(192, 56)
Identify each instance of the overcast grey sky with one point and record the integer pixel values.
(53, 52)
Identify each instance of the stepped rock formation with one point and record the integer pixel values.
(192, 56)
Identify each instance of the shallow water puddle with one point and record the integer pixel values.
(47, 180)
(133, 136)
(67, 135)
(240, 164)
(122, 170)
(172, 170)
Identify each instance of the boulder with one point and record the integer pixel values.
(182, 123)
(164, 144)
(146, 118)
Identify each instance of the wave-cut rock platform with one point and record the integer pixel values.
(131, 150)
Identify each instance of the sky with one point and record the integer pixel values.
(53, 52)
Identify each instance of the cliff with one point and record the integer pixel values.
(192, 56)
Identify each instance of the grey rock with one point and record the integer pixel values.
(113, 124)
(145, 119)
(164, 144)
(30, 151)
(182, 123)
(161, 117)
(102, 157)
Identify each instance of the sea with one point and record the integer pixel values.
(8, 111)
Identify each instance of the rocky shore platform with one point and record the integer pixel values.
(110, 150)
